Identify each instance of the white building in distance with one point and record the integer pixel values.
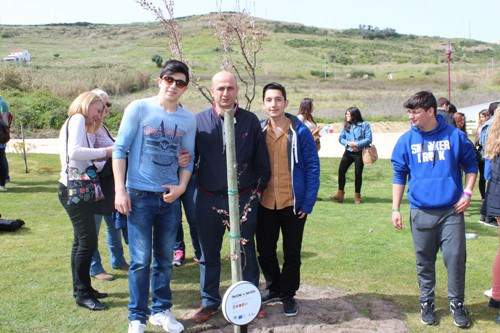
(18, 56)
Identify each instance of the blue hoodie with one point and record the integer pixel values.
(433, 162)
(304, 164)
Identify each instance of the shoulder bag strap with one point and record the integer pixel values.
(109, 134)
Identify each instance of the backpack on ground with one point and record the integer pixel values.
(10, 225)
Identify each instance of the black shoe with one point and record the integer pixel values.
(290, 307)
(490, 222)
(271, 297)
(460, 314)
(99, 295)
(428, 316)
(90, 303)
(494, 304)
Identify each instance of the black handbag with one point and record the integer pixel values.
(106, 178)
(85, 188)
(10, 225)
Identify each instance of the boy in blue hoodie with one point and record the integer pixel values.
(289, 197)
(432, 156)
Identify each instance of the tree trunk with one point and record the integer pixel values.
(234, 198)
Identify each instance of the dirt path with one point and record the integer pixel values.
(384, 138)
(320, 310)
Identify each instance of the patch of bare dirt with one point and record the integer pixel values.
(320, 310)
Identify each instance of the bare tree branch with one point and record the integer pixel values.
(175, 42)
(239, 29)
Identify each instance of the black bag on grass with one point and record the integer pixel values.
(10, 225)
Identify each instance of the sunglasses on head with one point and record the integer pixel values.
(170, 80)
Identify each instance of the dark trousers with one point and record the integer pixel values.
(211, 228)
(269, 223)
(4, 167)
(188, 202)
(84, 243)
(482, 180)
(483, 210)
(348, 158)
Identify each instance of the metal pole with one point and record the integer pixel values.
(233, 197)
(448, 57)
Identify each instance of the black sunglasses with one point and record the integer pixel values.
(170, 80)
(108, 104)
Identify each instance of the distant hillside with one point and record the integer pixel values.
(375, 69)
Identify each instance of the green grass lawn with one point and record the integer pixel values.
(353, 248)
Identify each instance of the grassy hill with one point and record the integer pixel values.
(70, 58)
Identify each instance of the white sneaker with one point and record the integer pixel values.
(135, 326)
(488, 293)
(166, 320)
(2, 189)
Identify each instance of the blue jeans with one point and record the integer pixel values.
(210, 232)
(152, 228)
(188, 202)
(114, 241)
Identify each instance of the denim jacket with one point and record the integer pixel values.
(360, 133)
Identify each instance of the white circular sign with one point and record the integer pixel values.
(241, 303)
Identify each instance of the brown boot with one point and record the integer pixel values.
(357, 198)
(203, 314)
(339, 196)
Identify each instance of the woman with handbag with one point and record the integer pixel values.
(355, 136)
(484, 116)
(102, 138)
(305, 116)
(79, 190)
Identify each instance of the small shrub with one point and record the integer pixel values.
(158, 60)
(304, 43)
(361, 74)
(416, 60)
(340, 58)
(125, 83)
(465, 85)
(9, 34)
(299, 29)
(321, 74)
(13, 76)
(37, 110)
(496, 80)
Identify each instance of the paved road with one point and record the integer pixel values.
(330, 146)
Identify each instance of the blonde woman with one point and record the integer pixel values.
(76, 154)
(492, 172)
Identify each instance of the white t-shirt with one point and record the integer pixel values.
(309, 124)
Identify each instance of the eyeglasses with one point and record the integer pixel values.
(170, 80)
